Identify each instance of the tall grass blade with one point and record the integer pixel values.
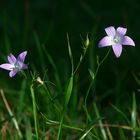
(104, 136)
(34, 111)
(11, 114)
(68, 91)
(133, 117)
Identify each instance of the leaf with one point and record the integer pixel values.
(91, 74)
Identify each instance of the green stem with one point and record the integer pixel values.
(81, 59)
(34, 110)
(85, 47)
(69, 89)
(93, 78)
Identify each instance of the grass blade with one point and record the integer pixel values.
(87, 132)
(70, 55)
(11, 114)
(104, 136)
(133, 116)
(68, 91)
(34, 110)
(121, 113)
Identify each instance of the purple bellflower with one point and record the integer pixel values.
(15, 65)
(116, 38)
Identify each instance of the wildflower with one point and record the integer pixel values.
(116, 38)
(15, 65)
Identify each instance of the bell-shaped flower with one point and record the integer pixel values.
(15, 65)
(116, 38)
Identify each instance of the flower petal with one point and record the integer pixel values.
(117, 48)
(21, 65)
(13, 73)
(121, 30)
(24, 66)
(7, 66)
(105, 41)
(22, 56)
(128, 41)
(11, 58)
(110, 31)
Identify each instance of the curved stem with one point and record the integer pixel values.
(96, 72)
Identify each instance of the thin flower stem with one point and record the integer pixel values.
(34, 110)
(85, 47)
(81, 59)
(24, 74)
(11, 114)
(70, 84)
(92, 81)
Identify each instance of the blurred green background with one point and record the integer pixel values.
(50, 20)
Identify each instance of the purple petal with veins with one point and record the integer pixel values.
(22, 56)
(11, 58)
(110, 31)
(24, 66)
(7, 66)
(117, 48)
(21, 65)
(105, 41)
(122, 31)
(13, 73)
(128, 41)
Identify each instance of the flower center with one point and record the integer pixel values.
(17, 66)
(116, 39)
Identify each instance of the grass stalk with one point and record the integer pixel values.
(133, 117)
(68, 91)
(104, 136)
(11, 114)
(34, 110)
